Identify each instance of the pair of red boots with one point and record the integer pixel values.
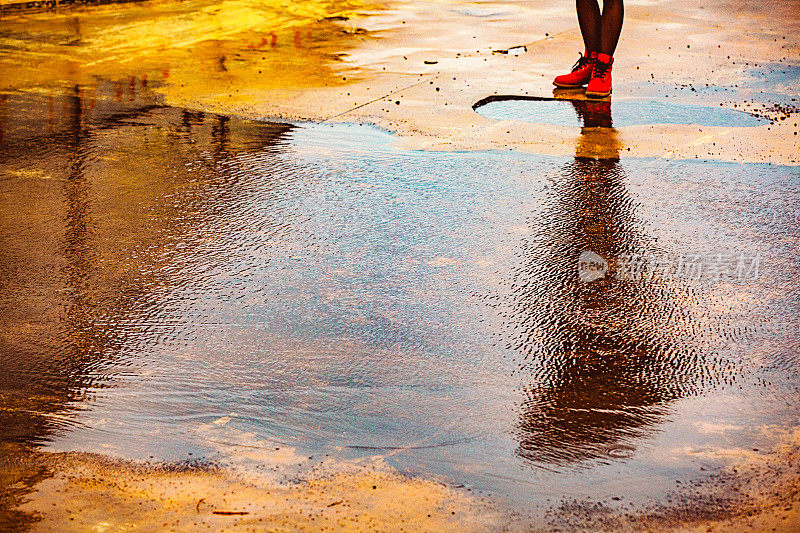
(592, 70)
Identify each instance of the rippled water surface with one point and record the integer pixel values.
(163, 269)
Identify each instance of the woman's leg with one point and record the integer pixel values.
(610, 25)
(589, 20)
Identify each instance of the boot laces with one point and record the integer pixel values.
(581, 62)
(601, 69)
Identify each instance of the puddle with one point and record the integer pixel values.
(174, 281)
(626, 112)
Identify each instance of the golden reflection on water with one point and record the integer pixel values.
(227, 49)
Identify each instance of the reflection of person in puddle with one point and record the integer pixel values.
(605, 355)
(600, 32)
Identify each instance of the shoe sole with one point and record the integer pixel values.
(566, 86)
(597, 95)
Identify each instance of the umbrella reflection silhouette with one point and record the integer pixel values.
(604, 357)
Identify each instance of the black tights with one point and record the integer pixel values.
(600, 32)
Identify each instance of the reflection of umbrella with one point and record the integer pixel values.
(605, 356)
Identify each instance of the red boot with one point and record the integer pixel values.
(600, 84)
(580, 75)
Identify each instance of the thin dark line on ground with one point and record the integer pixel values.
(381, 97)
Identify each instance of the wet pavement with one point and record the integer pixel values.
(318, 287)
(553, 332)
